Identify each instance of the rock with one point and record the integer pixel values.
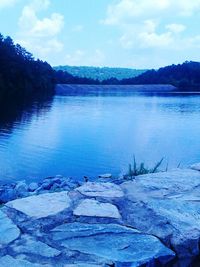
(47, 185)
(21, 189)
(32, 187)
(55, 187)
(93, 208)
(195, 167)
(163, 184)
(57, 180)
(70, 183)
(106, 175)
(82, 265)
(8, 261)
(7, 194)
(109, 190)
(58, 176)
(121, 245)
(43, 205)
(166, 205)
(28, 244)
(8, 230)
(76, 229)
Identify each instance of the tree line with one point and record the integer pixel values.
(184, 76)
(101, 73)
(20, 74)
(23, 76)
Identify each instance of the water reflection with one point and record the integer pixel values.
(88, 134)
(12, 113)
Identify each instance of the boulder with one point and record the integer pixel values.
(105, 175)
(8, 230)
(21, 189)
(7, 193)
(32, 187)
(57, 180)
(114, 243)
(108, 190)
(47, 184)
(43, 205)
(93, 208)
(55, 187)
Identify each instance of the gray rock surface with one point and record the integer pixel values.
(28, 244)
(105, 175)
(21, 189)
(82, 265)
(195, 166)
(8, 230)
(143, 222)
(114, 243)
(109, 190)
(32, 186)
(167, 206)
(94, 208)
(71, 230)
(7, 193)
(8, 261)
(42, 205)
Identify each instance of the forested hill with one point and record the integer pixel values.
(20, 74)
(22, 77)
(101, 74)
(184, 76)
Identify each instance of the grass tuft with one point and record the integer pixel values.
(140, 169)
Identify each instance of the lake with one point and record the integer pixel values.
(89, 134)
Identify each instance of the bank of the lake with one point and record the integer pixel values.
(151, 220)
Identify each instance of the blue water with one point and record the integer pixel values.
(90, 134)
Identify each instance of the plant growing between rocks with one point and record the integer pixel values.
(136, 169)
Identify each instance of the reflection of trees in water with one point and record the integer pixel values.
(22, 111)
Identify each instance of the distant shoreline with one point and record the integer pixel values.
(151, 88)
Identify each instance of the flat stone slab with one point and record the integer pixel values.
(94, 208)
(43, 205)
(8, 230)
(166, 205)
(108, 190)
(82, 265)
(28, 244)
(71, 230)
(163, 184)
(115, 243)
(195, 166)
(8, 261)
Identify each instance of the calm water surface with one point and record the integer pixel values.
(90, 134)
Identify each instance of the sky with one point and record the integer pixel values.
(116, 33)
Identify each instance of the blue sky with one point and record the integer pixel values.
(122, 33)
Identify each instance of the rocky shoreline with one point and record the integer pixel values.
(152, 220)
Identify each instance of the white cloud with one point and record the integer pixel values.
(125, 11)
(7, 3)
(142, 23)
(85, 58)
(145, 35)
(40, 36)
(176, 28)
